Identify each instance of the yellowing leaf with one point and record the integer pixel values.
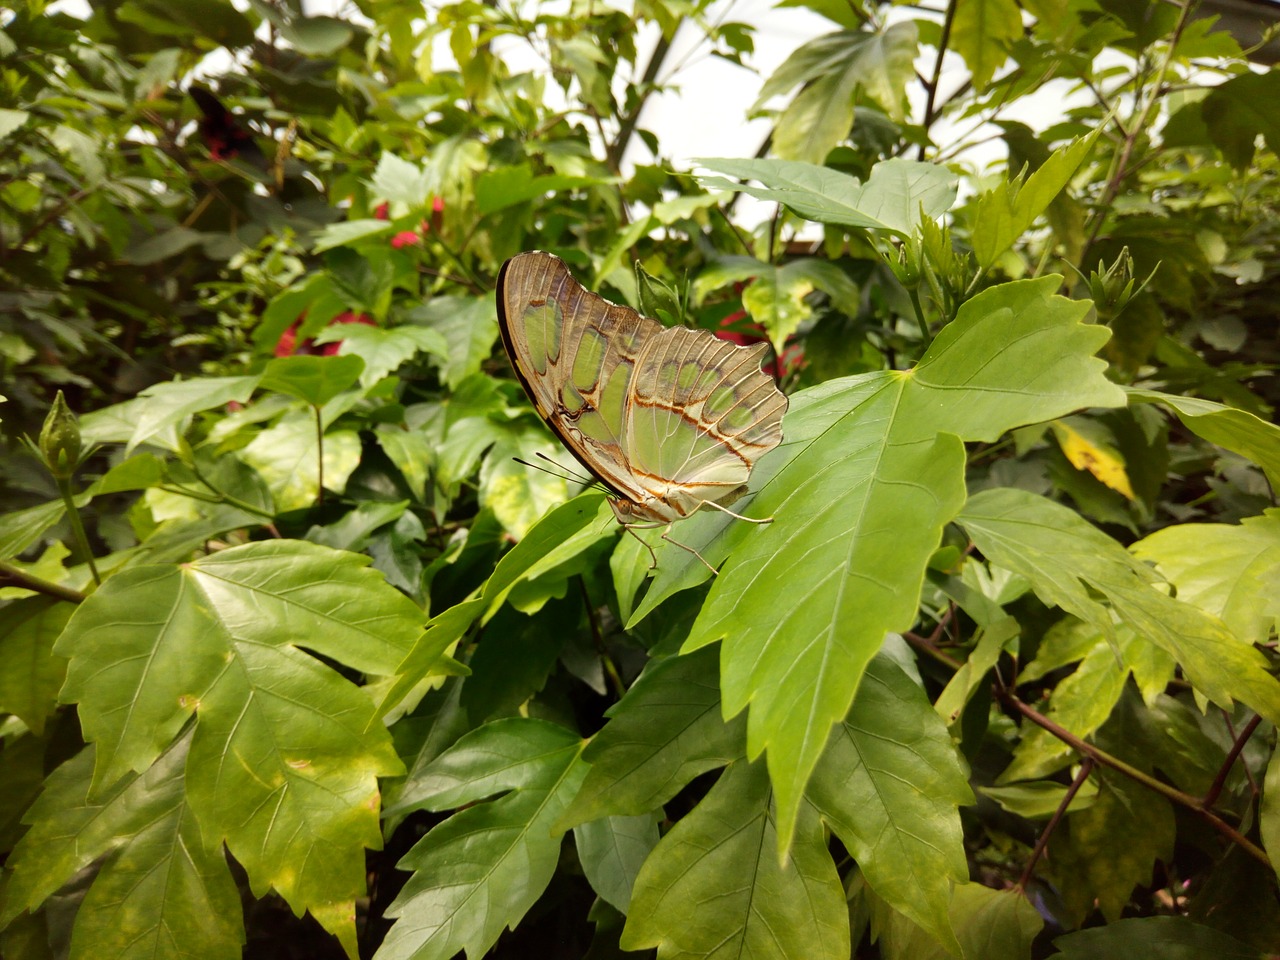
(1085, 444)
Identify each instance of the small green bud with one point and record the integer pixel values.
(907, 268)
(658, 299)
(60, 439)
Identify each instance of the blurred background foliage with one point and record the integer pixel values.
(191, 191)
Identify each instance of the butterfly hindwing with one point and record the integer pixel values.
(667, 418)
(702, 412)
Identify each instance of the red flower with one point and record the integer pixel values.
(406, 238)
(289, 340)
(331, 349)
(382, 211)
(288, 346)
(792, 356)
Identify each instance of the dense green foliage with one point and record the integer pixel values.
(296, 659)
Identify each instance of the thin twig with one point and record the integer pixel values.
(926, 645)
(1215, 789)
(932, 85)
(1120, 169)
(1185, 800)
(615, 151)
(1042, 841)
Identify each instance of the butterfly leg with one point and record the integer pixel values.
(631, 529)
(710, 503)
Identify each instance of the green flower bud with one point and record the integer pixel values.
(60, 439)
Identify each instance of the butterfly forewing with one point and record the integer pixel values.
(576, 355)
(667, 418)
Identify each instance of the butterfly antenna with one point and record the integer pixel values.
(564, 474)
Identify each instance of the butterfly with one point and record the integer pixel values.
(667, 419)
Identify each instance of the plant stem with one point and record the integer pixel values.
(77, 528)
(914, 294)
(319, 458)
(1139, 124)
(1185, 800)
(11, 576)
(615, 151)
(217, 497)
(932, 86)
(223, 497)
(1215, 789)
(1042, 841)
(927, 646)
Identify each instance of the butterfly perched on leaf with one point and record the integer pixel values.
(668, 419)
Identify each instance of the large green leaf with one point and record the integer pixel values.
(889, 785)
(894, 198)
(557, 538)
(1004, 214)
(349, 232)
(612, 850)
(1240, 110)
(1269, 813)
(518, 495)
(502, 187)
(714, 887)
(776, 296)
(382, 350)
(879, 62)
(1081, 702)
(871, 470)
(20, 529)
(1236, 430)
(983, 31)
(1070, 563)
(1231, 571)
(469, 326)
(832, 68)
(400, 181)
(285, 751)
(288, 457)
(989, 925)
(1152, 938)
(313, 380)
(483, 868)
(544, 555)
(1104, 851)
(166, 405)
(30, 674)
(160, 892)
(663, 733)
(317, 36)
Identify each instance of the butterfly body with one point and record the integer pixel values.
(668, 419)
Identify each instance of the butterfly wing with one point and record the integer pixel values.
(576, 355)
(666, 418)
(702, 412)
